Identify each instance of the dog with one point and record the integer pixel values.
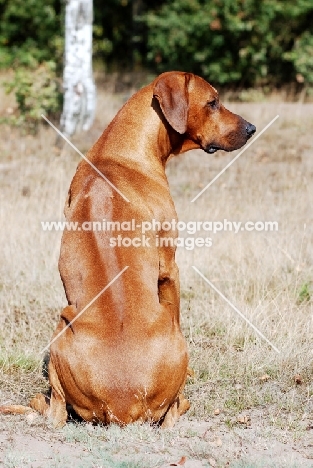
(125, 359)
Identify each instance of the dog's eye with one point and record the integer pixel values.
(213, 104)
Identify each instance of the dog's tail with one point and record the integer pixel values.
(15, 409)
(39, 403)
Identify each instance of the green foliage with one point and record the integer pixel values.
(11, 363)
(120, 35)
(244, 43)
(304, 293)
(31, 31)
(31, 42)
(301, 56)
(36, 92)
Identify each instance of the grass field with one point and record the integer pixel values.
(251, 406)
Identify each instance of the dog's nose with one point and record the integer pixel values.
(250, 129)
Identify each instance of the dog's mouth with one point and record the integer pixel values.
(212, 149)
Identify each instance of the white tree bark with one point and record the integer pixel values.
(79, 88)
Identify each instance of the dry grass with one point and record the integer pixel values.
(267, 275)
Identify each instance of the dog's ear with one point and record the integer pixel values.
(171, 91)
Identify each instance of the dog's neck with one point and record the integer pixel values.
(171, 142)
(154, 140)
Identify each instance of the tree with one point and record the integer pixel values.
(79, 88)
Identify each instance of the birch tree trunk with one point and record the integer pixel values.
(79, 88)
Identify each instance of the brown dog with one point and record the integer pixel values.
(125, 358)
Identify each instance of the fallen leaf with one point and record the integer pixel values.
(298, 379)
(264, 378)
(244, 419)
(190, 372)
(181, 462)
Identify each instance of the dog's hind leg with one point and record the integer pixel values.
(55, 409)
(56, 412)
(179, 407)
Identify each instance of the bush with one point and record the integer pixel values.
(301, 56)
(31, 42)
(31, 31)
(244, 43)
(36, 92)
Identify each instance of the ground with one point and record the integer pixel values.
(251, 406)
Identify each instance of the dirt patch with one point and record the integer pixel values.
(191, 444)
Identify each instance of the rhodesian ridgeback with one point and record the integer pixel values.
(125, 358)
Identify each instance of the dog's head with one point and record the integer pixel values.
(192, 108)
